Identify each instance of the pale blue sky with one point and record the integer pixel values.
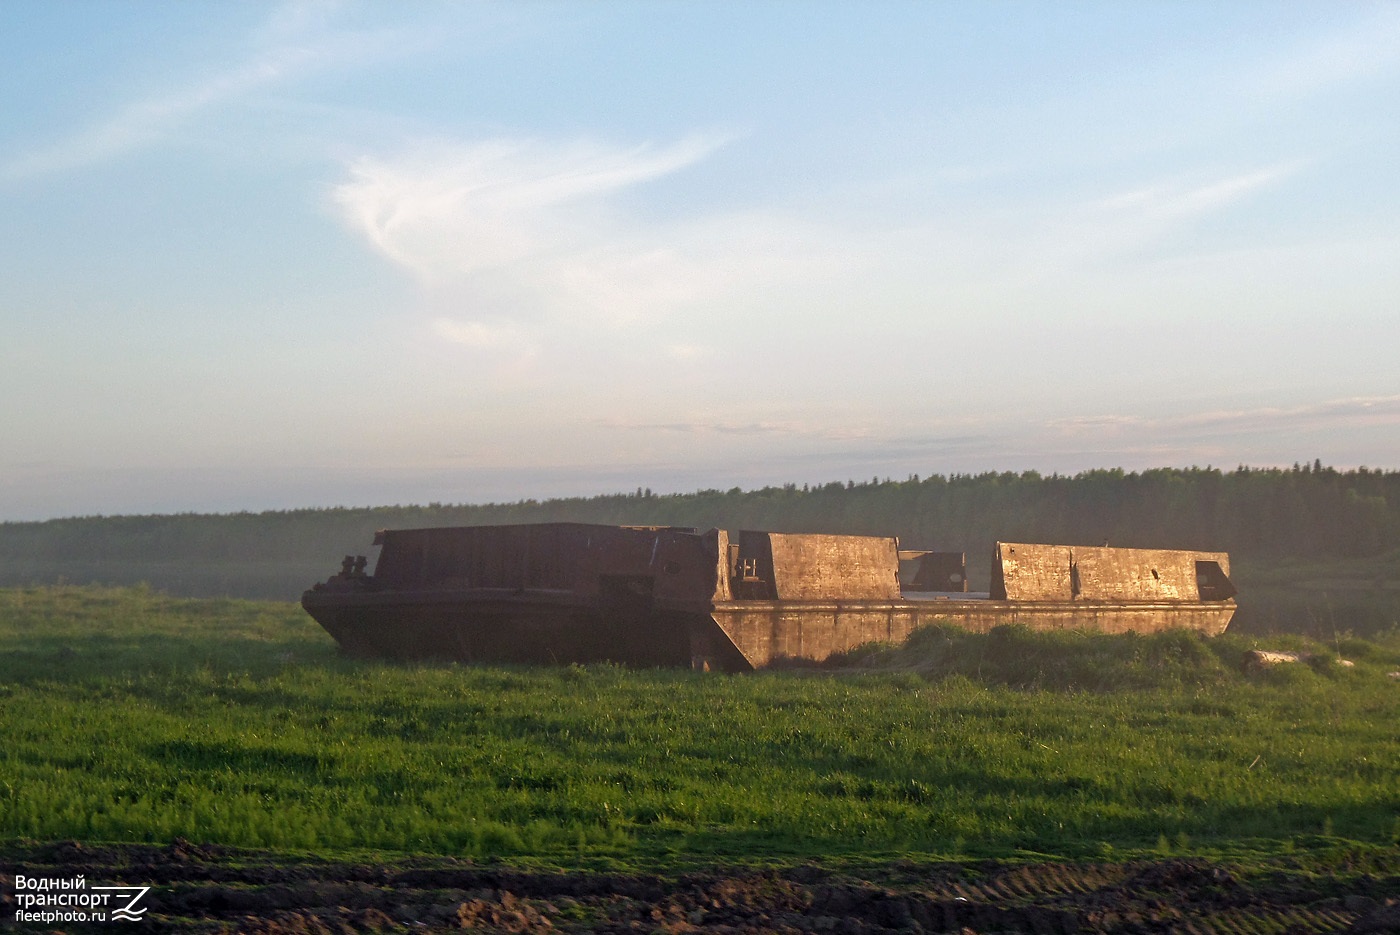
(259, 255)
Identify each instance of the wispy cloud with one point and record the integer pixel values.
(1367, 49)
(1259, 435)
(1165, 202)
(1050, 249)
(141, 123)
(688, 351)
(536, 231)
(712, 426)
(296, 19)
(480, 335)
(1081, 240)
(288, 53)
(448, 211)
(1353, 411)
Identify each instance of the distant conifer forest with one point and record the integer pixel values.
(1315, 528)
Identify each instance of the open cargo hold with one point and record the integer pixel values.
(661, 595)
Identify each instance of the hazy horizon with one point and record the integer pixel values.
(307, 254)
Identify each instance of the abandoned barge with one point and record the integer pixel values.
(671, 596)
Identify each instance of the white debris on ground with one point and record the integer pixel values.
(1264, 658)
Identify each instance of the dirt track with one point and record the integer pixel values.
(203, 888)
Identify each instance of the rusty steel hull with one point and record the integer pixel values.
(768, 631)
(499, 627)
(552, 629)
(672, 596)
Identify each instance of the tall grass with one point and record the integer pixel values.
(129, 715)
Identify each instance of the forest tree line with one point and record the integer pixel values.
(1310, 511)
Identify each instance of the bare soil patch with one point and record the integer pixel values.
(209, 888)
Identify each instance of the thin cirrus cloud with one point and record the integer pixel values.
(1046, 239)
(712, 426)
(1076, 443)
(513, 233)
(143, 122)
(449, 211)
(1136, 442)
(1367, 50)
(1166, 202)
(478, 334)
(1351, 411)
(1128, 221)
(148, 121)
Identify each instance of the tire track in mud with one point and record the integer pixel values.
(214, 889)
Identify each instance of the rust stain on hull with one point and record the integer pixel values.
(662, 596)
(766, 634)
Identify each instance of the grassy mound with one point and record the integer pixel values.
(1072, 660)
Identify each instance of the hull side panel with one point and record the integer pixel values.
(500, 632)
(764, 632)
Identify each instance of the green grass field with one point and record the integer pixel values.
(132, 716)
